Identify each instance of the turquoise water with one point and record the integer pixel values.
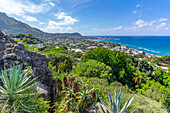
(158, 45)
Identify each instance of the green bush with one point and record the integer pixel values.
(115, 103)
(163, 59)
(28, 38)
(143, 66)
(162, 77)
(18, 91)
(77, 54)
(92, 68)
(28, 104)
(28, 47)
(141, 104)
(63, 62)
(154, 90)
(121, 64)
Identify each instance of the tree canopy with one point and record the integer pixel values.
(93, 68)
(121, 64)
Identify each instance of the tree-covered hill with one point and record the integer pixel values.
(13, 26)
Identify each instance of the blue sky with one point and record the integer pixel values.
(93, 17)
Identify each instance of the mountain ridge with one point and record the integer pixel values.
(13, 26)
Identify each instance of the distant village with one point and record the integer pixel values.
(83, 44)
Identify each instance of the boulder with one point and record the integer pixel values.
(12, 52)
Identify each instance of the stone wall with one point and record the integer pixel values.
(12, 52)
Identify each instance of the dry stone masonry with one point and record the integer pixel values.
(12, 52)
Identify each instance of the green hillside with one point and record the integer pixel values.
(13, 26)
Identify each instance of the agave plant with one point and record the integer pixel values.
(14, 84)
(115, 105)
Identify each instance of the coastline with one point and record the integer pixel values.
(135, 51)
(148, 44)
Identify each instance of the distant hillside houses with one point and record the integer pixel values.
(37, 45)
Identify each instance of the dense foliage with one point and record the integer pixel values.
(163, 59)
(28, 38)
(74, 95)
(77, 54)
(115, 103)
(143, 66)
(17, 94)
(141, 104)
(27, 46)
(121, 64)
(93, 68)
(98, 70)
(59, 58)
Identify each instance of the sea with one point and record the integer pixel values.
(158, 45)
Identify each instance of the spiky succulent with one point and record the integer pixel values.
(15, 83)
(115, 105)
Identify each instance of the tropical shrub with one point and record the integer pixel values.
(75, 95)
(27, 37)
(52, 49)
(18, 91)
(154, 90)
(121, 64)
(63, 62)
(141, 103)
(162, 77)
(115, 104)
(28, 103)
(77, 54)
(163, 59)
(27, 46)
(143, 66)
(92, 68)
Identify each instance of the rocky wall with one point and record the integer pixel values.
(12, 52)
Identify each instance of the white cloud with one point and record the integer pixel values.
(131, 30)
(141, 27)
(63, 25)
(138, 22)
(57, 1)
(138, 5)
(118, 28)
(166, 28)
(67, 20)
(30, 18)
(52, 28)
(78, 2)
(21, 7)
(163, 19)
(152, 22)
(134, 12)
(69, 28)
(41, 23)
(161, 25)
(52, 4)
(141, 23)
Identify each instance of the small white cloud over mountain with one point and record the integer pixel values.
(30, 18)
(63, 24)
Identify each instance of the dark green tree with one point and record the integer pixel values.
(121, 64)
(62, 61)
(93, 68)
